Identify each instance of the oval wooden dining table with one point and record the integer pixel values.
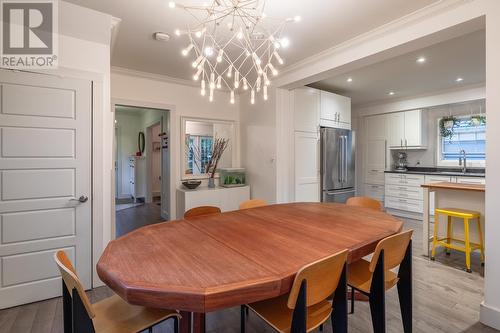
(219, 261)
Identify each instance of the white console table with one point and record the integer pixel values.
(226, 198)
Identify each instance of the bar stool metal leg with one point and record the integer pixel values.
(481, 242)
(449, 235)
(467, 244)
(434, 238)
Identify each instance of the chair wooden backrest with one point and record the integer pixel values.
(364, 202)
(252, 203)
(71, 280)
(394, 250)
(322, 279)
(202, 210)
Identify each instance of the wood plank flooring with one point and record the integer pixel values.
(446, 300)
(130, 219)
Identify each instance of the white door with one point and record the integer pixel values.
(306, 109)
(307, 167)
(45, 165)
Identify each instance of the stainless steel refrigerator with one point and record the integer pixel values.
(337, 164)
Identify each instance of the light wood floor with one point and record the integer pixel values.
(446, 300)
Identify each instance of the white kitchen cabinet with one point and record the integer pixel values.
(335, 110)
(307, 177)
(403, 192)
(376, 127)
(470, 180)
(429, 179)
(375, 161)
(375, 192)
(406, 130)
(226, 198)
(306, 109)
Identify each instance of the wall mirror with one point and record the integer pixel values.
(197, 139)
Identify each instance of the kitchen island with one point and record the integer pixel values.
(456, 195)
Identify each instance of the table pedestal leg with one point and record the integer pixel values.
(185, 324)
(198, 323)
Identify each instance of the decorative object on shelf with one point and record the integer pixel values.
(446, 126)
(141, 142)
(233, 44)
(232, 177)
(191, 184)
(218, 148)
(478, 120)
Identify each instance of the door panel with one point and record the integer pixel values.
(306, 167)
(44, 165)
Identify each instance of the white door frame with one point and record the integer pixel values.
(173, 132)
(149, 161)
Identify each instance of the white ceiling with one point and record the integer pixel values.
(324, 24)
(463, 57)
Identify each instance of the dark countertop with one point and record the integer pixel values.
(471, 172)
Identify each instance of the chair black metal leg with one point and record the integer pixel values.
(243, 310)
(377, 296)
(405, 292)
(321, 328)
(67, 311)
(352, 300)
(82, 323)
(339, 314)
(150, 330)
(299, 324)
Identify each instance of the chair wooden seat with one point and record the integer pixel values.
(111, 315)
(364, 202)
(252, 203)
(279, 316)
(201, 211)
(360, 277)
(114, 315)
(458, 212)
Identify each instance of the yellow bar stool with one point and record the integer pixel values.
(448, 241)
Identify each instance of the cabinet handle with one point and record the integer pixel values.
(406, 143)
(401, 142)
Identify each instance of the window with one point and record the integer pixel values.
(469, 135)
(198, 153)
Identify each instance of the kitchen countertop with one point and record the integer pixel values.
(476, 172)
(455, 186)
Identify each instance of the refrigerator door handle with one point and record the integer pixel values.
(339, 162)
(345, 158)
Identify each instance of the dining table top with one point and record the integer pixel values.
(218, 261)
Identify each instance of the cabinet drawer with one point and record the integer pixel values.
(437, 179)
(404, 179)
(404, 192)
(374, 191)
(409, 205)
(471, 180)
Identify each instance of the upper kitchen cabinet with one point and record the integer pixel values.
(406, 130)
(335, 110)
(306, 103)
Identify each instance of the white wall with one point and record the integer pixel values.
(490, 309)
(128, 127)
(258, 145)
(136, 89)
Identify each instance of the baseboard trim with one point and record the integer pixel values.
(489, 316)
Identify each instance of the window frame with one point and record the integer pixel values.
(453, 163)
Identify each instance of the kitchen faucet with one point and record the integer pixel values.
(463, 156)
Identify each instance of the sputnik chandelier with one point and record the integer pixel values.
(233, 44)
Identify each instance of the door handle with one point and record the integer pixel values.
(81, 199)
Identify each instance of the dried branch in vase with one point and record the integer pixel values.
(218, 148)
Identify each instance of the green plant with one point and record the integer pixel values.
(445, 129)
(478, 120)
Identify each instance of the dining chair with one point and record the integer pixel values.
(202, 210)
(364, 202)
(252, 203)
(307, 306)
(111, 315)
(372, 278)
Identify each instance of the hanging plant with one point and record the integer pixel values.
(478, 120)
(446, 125)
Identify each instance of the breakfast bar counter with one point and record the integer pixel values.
(447, 194)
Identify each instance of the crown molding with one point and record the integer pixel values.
(152, 76)
(395, 25)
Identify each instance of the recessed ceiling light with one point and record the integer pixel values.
(171, 4)
(349, 79)
(391, 93)
(421, 60)
(459, 79)
(161, 36)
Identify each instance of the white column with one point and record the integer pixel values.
(490, 308)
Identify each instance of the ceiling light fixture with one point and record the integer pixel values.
(246, 48)
(421, 60)
(349, 79)
(391, 93)
(459, 79)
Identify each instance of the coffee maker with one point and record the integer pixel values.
(402, 162)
